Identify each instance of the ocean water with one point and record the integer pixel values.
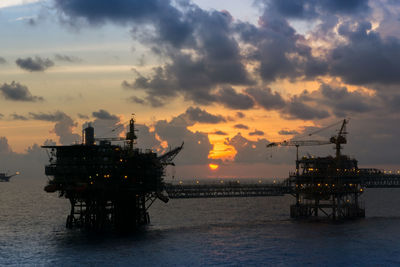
(197, 232)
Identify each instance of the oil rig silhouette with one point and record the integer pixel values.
(323, 187)
(327, 185)
(114, 185)
(108, 185)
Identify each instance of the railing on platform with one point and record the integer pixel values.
(226, 190)
(381, 181)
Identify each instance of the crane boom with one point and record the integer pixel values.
(299, 143)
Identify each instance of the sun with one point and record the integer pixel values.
(213, 167)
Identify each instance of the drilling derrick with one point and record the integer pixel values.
(326, 186)
(107, 185)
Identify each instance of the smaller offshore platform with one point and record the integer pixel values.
(326, 186)
(108, 185)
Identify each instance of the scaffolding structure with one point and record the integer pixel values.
(327, 187)
(107, 185)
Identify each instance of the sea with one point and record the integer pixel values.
(197, 232)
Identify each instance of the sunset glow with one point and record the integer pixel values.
(224, 79)
(213, 166)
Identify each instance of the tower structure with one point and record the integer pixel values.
(108, 185)
(326, 186)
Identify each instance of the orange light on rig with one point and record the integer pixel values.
(213, 167)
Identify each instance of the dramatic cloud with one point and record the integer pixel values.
(34, 64)
(296, 109)
(231, 99)
(3, 61)
(241, 126)
(175, 132)
(63, 128)
(366, 57)
(18, 92)
(66, 58)
(248, 151)
(266, 98)
(202, 116)
(104, 115)
(311, 9)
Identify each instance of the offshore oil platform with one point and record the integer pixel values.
(114, 185)
(108, 185)
(330, 186)
(323, 187)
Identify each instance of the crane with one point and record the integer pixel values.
(339, 139)
(298, 143)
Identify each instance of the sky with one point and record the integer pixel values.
(225, 77)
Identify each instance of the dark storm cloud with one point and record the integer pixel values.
(256, 132)
(342, 101)
(216, 60)
(310, 9)
(166, 19)
(18, 92)
(366, 58)
(67, 58)
(15, 116)
(202, 116)
(265, 98)
(34, 64)
(241, 126)
(104, 115)
(3, 61)
(279, 51)
(296, 109)
(233, 100)
(288, 132)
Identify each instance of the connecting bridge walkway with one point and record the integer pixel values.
(371, 179)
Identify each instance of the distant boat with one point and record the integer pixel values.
(4, 177)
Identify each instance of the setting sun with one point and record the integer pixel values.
(213, 166)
